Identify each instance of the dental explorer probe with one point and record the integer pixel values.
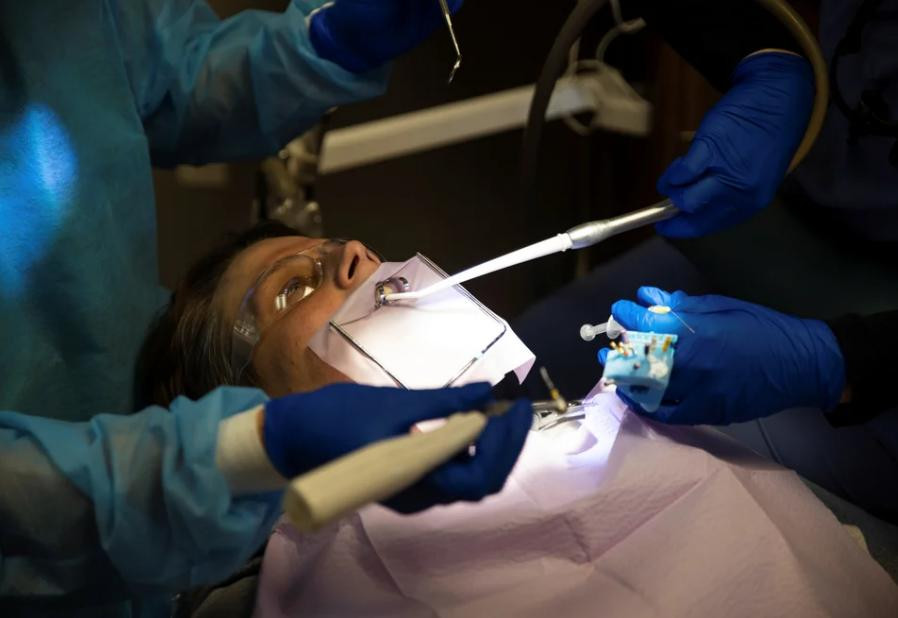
(579, 237)
(447, 17)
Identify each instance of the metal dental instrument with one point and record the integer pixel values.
(447, 15)
(594, 232)
(546, 414)
(554, 393)
(662, 310)
(579, 237)
(556, 411)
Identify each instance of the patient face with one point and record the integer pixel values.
(282, 359)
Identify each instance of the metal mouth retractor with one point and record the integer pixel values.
(393, 285)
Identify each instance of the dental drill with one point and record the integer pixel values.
(579, 237)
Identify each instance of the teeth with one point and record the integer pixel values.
(393, 285)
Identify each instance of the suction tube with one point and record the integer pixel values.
(553, 69)
(556, 62)
(808, 42)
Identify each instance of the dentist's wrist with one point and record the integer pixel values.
(328, 46)
(241, 457)
(828, 364)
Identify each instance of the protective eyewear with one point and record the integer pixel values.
(280, 288)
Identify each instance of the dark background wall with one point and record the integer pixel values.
(461, 204)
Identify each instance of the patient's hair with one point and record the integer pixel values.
(188, 349)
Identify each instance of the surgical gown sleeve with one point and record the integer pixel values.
(123, 506)
(209, 89)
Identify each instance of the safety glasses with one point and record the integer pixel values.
(279, 288)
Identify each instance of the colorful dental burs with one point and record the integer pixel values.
(640, 365)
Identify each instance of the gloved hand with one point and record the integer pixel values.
(743, 148)
(361, 35)
(306, 430)
(742, 362)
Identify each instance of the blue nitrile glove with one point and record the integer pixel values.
(306, 430)
(743, 147)
(742, 362)
(361, 35)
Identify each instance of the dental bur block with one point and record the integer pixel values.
(640, 365)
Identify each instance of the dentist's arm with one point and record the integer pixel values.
(737, 361)
(743, 147)
(168, 499)
(306, 430)
(209, 89)
(124, 505)
(713, 36)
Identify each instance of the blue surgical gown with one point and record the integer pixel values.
(98, 505)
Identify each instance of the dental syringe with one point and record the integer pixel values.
(612, 328)
(579, 237)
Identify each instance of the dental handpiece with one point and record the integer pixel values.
(381, 469)
(579, 237)
(594, 232)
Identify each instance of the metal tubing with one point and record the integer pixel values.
(588, 234)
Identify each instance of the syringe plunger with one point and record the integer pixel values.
(612, 328)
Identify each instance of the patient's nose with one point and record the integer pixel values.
(349, 274)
